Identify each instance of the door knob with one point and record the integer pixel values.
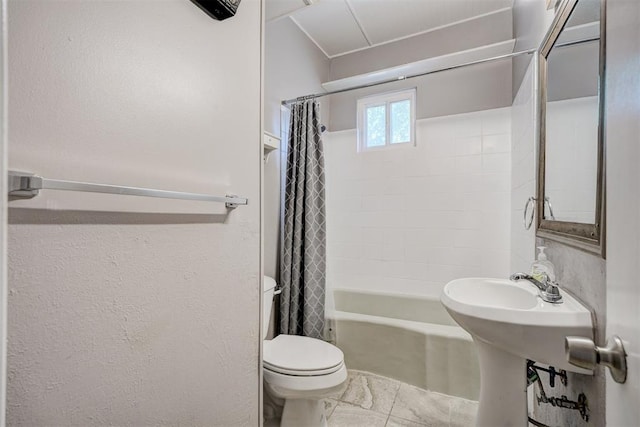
(583, 352)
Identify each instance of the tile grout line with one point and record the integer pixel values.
(333, 410)
(395, 402)
(419, 422)
(392, 405)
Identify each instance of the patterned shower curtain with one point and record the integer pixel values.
(303, 250)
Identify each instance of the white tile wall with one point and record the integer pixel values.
(410, 219)
(523, 168)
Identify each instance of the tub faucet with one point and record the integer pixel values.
(549, 290)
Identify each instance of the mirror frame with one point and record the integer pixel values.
(588, 237)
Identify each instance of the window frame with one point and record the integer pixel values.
(386, 99)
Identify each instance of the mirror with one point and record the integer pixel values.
(570, 197)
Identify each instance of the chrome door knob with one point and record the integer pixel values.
(583, 352)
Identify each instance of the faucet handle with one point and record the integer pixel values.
(545, 279)
(552, 292)
(520, 276)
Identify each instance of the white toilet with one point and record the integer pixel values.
(299, 371)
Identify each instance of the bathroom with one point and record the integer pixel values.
(129, 310)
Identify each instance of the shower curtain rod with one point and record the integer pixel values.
(453, 67)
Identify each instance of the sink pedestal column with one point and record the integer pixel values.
(503, 388)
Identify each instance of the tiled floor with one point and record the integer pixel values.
(374, 401)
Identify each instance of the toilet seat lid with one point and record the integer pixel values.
(298, 355)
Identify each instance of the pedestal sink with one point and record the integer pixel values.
(509, 324)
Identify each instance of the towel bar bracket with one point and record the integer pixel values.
(20, 185)
(232, 205)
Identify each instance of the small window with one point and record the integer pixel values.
(386, 120)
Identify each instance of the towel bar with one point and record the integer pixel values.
(28, 185)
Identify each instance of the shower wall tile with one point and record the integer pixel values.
(409, 219)
(496, 122)
(468, 165)
(496, 182)
(523, 167)
(468, 146)
(496, 143)
(496, 163)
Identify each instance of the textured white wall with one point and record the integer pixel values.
(294, 66)
(410, 219)
(131, 317)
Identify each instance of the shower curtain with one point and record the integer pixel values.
(303, 250)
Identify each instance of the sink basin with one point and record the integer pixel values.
(489, 293)
(509, 324)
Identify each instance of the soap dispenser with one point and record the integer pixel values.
(542, 266)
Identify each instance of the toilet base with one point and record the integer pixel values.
(272, 408)
(303, 412)
(299, 400)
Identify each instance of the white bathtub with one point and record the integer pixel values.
(406, 337)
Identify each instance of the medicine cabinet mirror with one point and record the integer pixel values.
(570, 195)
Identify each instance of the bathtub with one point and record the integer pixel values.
(405, 337)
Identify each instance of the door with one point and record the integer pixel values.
(623, 203)
(3, 209)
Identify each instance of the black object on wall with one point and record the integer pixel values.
(218, 9)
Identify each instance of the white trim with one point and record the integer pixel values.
(272, 135)
(385, 99)
(419, 33)
(303, 5)
(309, 36)
(270, 143)
(263, 25)
(4, 85)
(355, 18)
(279, 17)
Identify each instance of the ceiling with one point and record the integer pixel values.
(338, 27)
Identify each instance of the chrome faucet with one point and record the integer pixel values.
(549, 290)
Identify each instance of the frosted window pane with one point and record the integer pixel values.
(400, 121)
(376, 126)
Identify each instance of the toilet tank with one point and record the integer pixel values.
(268, 288)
